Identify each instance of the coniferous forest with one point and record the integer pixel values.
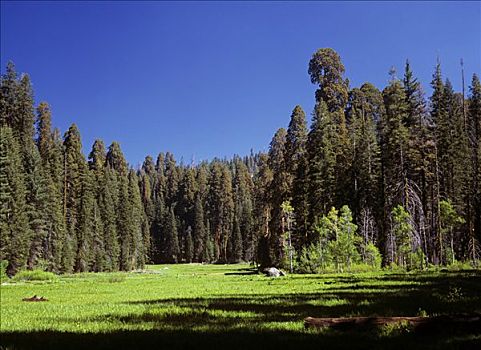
(387, 177)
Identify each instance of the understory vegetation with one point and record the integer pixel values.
(194, 305)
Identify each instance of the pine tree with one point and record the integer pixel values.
(243, 207)
(51, 153)
(296, 161)
(394, 146)
(262, 210)
(136, 216)
(86, 225)
(172, 180)
(279, 190)
(56, 235)
(185, 206)
(171, 244)
(421, 155)
(364, 111)
(123, 223)
(236, 243)
(200, 234)
(189, 246)
(221, 207)
(108, 210)
(475, 138)
(158, 201)
(456, 164)
(22, 121)
(44, 131)
(9, 97)
(97, 159)
(38, 206)
(14, 226)
(321, 176)
(75, 170)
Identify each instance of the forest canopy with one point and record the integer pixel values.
(379, 177)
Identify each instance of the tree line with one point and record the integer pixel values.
(403, 170)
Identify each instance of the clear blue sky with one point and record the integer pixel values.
(217, 78)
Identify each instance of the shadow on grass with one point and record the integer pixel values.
(186, 339)
(255, 320)
(243, 272)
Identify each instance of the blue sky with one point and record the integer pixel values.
(206, 79)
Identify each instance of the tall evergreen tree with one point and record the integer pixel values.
(243, 207)
(14, 226)
(221, 208)
(321, 176)
(262, 210)
(327, 71)
(475, 137)
(279, 193)
(108, 203)
(200, 234)
(171, 242)
(75, 176)
(296, 161)
(364, 111)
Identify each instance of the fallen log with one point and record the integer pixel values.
(417, 323)
(35, 298)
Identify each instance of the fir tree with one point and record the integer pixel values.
(75, 169)
(108, 204)
(171, 245)
(243, 207)
(296, 161)
(364, 111)
(475, 137)
(321, 176)
(221, 208)
(279, 193)
(262, 211)
(14, 226)
(200, 234)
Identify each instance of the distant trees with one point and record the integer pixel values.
(405, 171)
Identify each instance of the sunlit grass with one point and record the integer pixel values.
(209, 299)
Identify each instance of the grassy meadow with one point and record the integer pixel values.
(201, 306)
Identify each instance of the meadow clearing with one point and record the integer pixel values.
(232, 306)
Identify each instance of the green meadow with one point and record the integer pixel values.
(201, 306)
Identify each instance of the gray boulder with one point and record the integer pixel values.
(273, 272)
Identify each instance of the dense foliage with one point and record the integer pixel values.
(403, 170)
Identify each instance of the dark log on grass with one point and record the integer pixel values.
(418, 323)
(35, 298)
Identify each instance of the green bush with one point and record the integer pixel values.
(460, 265)
(417, 260)
(372, 256)
(35, 275)
(3, 270)
(310, 260)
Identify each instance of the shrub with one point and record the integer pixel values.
(460, 265)
(372, 256)
(309, 260)
(417, 260)
(35, 275)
